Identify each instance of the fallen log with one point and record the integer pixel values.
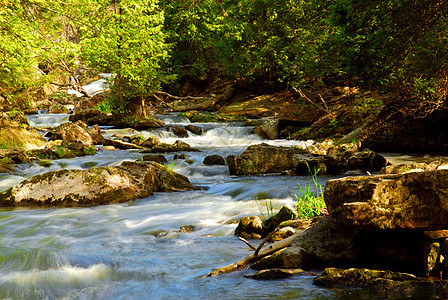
(252, 257)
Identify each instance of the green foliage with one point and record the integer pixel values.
(310, 199)
(268, 209)
(132, 44)
(104, 107)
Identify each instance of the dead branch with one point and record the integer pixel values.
(181, 98)
(247, 243)
(252, 257)
(302, 94)
(264, 241)
(323, 101)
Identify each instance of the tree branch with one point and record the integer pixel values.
(302, 94)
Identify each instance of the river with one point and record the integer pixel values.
(135, 250)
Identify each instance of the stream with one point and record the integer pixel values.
(135, 250)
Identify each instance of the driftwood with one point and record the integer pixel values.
(252, 257)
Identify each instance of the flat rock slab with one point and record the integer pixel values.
(414, 200)
(96, 186)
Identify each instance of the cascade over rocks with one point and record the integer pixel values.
(96, 186)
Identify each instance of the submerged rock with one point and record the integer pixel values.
(96, 186)
(415, 200)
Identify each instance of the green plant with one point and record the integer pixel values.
(104, 107)
(269, 209)
(310, 198)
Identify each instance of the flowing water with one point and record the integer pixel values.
(135, 250)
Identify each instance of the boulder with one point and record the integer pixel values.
(250, 228)
(262, 159)
(366, 160)
(194, 129)
(95, 186)
(328, 244)
(268, 130)
(76, 133)
(413, 200)
(214, 160)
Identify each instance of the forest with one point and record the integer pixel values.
(398, 46)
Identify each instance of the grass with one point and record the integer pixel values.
(310, 198)
(269, 209)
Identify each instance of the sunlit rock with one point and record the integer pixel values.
(95, 186)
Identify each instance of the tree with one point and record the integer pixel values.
(125, 37)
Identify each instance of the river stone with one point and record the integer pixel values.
(250, 228)
(96, 135)
(73, 133)
(95, 186)
(282, 234)
(214, 160)
(414, 200)
(268, 130)
(274, 274)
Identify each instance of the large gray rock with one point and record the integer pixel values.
(99, 185)
(414, 200)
